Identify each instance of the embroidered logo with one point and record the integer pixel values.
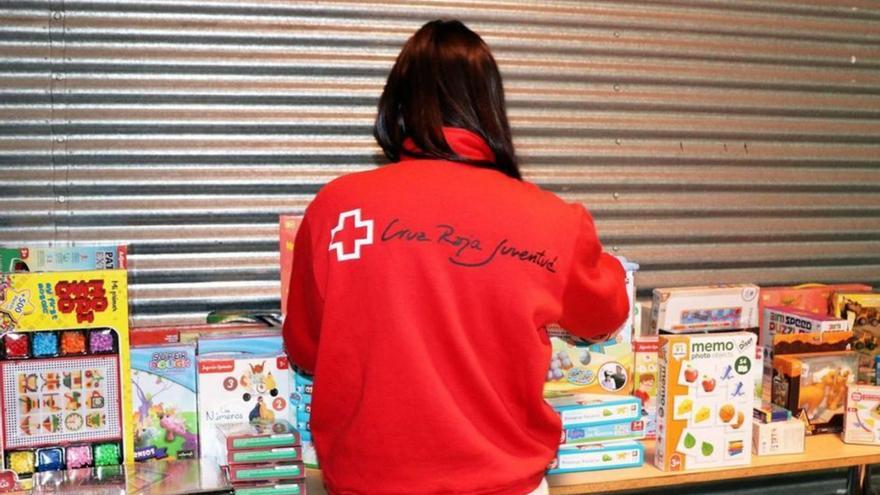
(350, 234)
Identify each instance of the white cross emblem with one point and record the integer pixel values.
(339, 245)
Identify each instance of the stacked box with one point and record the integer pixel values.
(778, 437)
(812, 298)
(862, 313)
(595, 457)
(263, 454)
(645, 380)
(577, 368)
(590, 418)
(704, 309)
(58, 259)
(300, 413)
(705, 401)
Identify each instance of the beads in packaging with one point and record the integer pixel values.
(45, 344)
(79, 456)
(73, 342)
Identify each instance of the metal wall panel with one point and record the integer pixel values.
(714, 140)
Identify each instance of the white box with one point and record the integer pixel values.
(780, 437)
(705, 308)
(861, 422)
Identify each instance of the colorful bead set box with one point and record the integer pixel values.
(64, 371)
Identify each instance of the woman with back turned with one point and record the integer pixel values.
(421, 291)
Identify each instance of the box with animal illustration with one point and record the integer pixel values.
(236, 390)
(163, 380)
(705, 400)
(813, 387)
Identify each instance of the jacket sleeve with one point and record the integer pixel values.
(305, 302)
(595, 301)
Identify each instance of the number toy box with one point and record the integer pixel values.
(65, 379)
(700, 309)
(578, 458)
(165, 402)
(42, 259)
(812, 298)
(645, 380)
(581, 410)
(813, 387)
(576, 368)
(237, 389)
(271, 488)
(259, 435)
(861, 422)
(705, 400)
(288, 227)
(862, 313)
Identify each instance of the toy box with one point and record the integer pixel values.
(258, 435)
(862, 313)
(589, 409)
(65, 369)
(289, 225)
(259, 343)
(777, 438)
(266, 472)
(575, 367)
(165, 402)
(770, 413)
(813, 387)
(609, 432)
(700, 309)
(705, 400)
(625, 332)
(812, 298)
(577, 458)
(62, 259)
(270, 488)
(780, 321)
(645, 380)
(861, 422)
(237, 389)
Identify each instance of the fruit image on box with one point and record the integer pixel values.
(698, 309)
(266, 472)
(576, 458)
(283, 488)
(165, 410)
(777, 438)
(812, 298)
(813, 387)
(861, 422)
(611, 432)
(580, 410)
(862, 313)
(259, 435)
(645, 380)
(62, 259)
(705, 400)
(237, 389)
(577, 368)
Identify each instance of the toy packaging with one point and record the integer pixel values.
(258, 435)
(770, 413)
(301, 402)
(701, 309)
(812, 298)
(780, 321)
(165, 411)
(581, 410)
(576, 367)
(289, 225)
(281, 454)
(610, 432)
(239, 389)
(813, 387)
(266, 472)
(62, 259)
(705, 400)
(862, 313)
(777, 438)
(282, 488)
(260, 343)
(577, 458)
(645, 380)
(861, 422)
(65, 369)
(625, 332)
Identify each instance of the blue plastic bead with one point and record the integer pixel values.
(45, 344)
(50, 459)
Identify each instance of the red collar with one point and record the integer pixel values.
(464, 143)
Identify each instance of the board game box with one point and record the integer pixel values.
(62, 259)
(706, 308)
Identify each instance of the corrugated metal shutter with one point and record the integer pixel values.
(715, 141)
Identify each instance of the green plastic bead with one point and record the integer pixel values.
(107, 454)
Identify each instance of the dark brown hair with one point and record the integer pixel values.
(445, 75)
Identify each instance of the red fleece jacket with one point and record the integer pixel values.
(419, 296)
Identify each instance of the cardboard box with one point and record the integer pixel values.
(708, 308)
(258, 435)
(288, 227)
(237, 389)
(813, 387)
(271, 488)
(610, 432)
(862, 313)
(165, 402)
(577, 458)
(771, 413)
(781, 321)
(812, 298)
(63, 259)
(645, 380)
(266, 472)
(581, 410)
(861, 422)
(576, 368)
(778, 438)
(625, 332)
(255, 342)
(705, 401)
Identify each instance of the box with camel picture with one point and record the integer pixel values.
(813, 387)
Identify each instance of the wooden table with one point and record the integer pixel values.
(823, 452)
